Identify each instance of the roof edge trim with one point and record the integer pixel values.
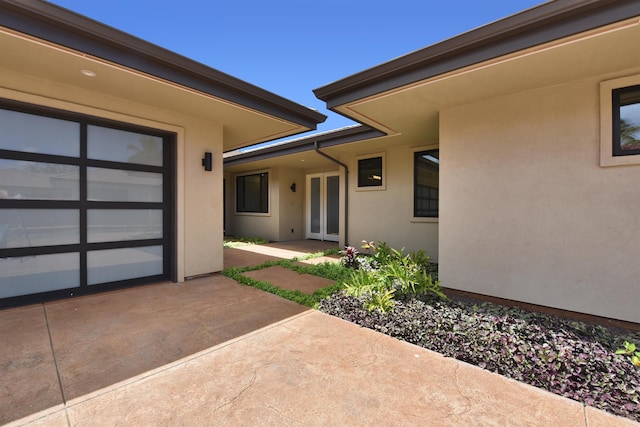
(69, 29)
(326, 139)
(541, 24)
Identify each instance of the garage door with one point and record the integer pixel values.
(85, 204)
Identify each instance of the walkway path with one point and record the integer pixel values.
(210, 352)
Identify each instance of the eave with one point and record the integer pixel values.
(68, 29)
(542, 24)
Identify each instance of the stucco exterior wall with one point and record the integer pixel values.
(527, 212)
(199, 193)
(387, 215)
(291, 204)
(261, 225)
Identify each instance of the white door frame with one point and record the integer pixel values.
(322, 234)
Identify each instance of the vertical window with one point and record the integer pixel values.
(626, 121)
(426, 167)
(370, 172)
(252, 193)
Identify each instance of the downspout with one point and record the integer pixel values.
(346, 190)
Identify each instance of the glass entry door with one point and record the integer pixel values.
(323, 206)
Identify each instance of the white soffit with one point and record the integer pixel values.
(414, 108)
(29, 56)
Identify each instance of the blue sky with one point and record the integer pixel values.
(291, 47)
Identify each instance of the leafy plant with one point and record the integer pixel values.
(369, 246)
(629, 349)
(388, 274)
(568, 358)
(381, 300)
(361, 282)
(349, 255)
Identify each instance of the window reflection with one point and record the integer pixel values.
(123, 186)
(37, 134)
(122, 146)
(38, 181)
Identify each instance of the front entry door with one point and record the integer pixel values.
(323, 206)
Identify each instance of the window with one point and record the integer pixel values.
(626, 121)
(252, 193)
(371, 172)
(426, 166)
(620, 121)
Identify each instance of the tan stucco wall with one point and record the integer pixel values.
(526, 211)
(291, 204)
(261, 225)
(199, 193)
(387, 215)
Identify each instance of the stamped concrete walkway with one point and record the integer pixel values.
(210, 352)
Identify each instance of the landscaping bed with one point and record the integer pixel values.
(399, 295)
(568, 358)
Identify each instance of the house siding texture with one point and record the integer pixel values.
(528, 212)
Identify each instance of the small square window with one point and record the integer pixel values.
(370, 172)
(252, 193)
(626, 121)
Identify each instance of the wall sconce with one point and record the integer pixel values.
(207, 162)
(293, 187)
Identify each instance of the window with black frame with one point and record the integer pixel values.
(626, 121)
(252, 193)
(426, 166)
(370, 172)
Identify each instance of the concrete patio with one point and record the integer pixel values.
(212, 352)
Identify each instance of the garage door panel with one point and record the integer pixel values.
(25, 228)
(118, 185)
(38, 273)
(39, 134)
(111, 225)
(112, 265)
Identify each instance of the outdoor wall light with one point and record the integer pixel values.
(293, 187)
(207, 162)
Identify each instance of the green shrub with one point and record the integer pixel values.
(388, 274)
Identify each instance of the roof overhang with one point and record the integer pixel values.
(549, 44)
(300, 152)
(50, 43)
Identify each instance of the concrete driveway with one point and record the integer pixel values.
(212, 352)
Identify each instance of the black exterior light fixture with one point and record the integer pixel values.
(207, 162)
(293, 187)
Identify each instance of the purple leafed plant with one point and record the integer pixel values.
(571, 359)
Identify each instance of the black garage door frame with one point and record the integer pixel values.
(82, 163)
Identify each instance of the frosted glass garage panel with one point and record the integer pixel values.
(112, 225)
(111, 265)
(38, 181)
(116, 185)
(27, 228)
(42, 273)
(123, 146)
(36, 134)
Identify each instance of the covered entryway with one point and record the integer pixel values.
(85, 204)
(323, 206)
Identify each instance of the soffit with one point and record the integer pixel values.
(413, 110)
(310, 161)
(33, 57)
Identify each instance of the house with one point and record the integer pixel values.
(508, 153)
(111, 155)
